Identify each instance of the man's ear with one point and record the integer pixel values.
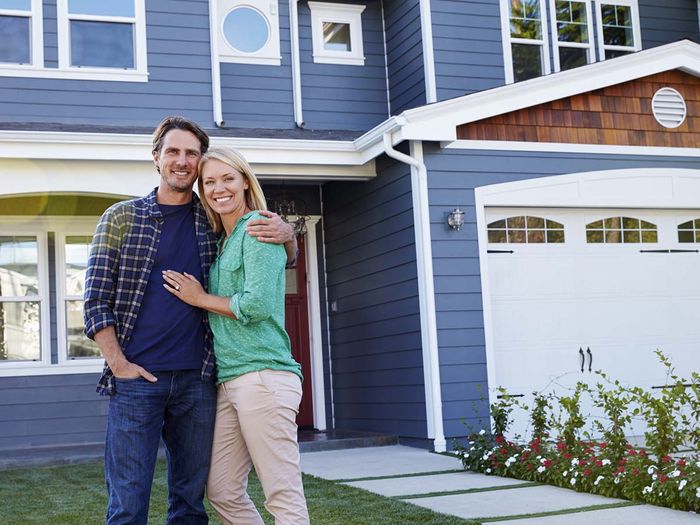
(156, 160)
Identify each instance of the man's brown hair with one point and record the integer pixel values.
(176, 122)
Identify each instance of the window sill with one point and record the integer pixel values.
(17, 369)
(339, 60)
(83, 73)
(263, 61)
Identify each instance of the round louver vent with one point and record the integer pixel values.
(668, 107)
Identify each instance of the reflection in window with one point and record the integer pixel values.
(336, 36)
(15, 31)
(616, 21)
(246, 29)
(527, 41)
(77, 248)
(525, 230)
(19, 299)
(689, 231)
(573, 33)
(621, 230)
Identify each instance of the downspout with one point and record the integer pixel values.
(426, 289)
(426, 27)
(296, 65)
(215, 65)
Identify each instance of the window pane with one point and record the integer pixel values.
(77, 251)
(614, 54)
(594, 236)
(527, 61)
(498, 224)
(517, 236)
(103, 7)
(336, 37)
(613, 222)
(649, 236)
(571, 57)
(555, 236)
(686, 236)
(618, 36)
(246, 29)
(624, 15)
(535, 222)
(497, 236)
(19, 331)
(19, 274)
(535, 236)
(572, 33)
(613, 236)
(14, 39)
(19, 5)
(516, 222)
(631, 236)
(686, 225)
(525, 19)
(630, 223)
(102, 44)
(78, 343)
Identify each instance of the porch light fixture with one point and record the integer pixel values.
(455, 219)
(285, 206)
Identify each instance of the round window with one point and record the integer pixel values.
(246, 29)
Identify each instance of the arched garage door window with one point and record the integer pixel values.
(525, 229)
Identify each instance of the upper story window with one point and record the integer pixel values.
(21, 37)
(336, 31)
(572, 25)
(248, 32)
(618, 21)
(103, 40)
(527, 37)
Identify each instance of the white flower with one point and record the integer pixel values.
(482, 432)
(682, 484)
(543, 460)
(541, 469)
(472, 448)
(471, 442)
(617, 480)
(540, 458)
(650, 470)
(573, 481)
(697, 493)
(654, 476)
(565, 473)
(646, 490)
(675, 474)
(488, 471)
(598, 480)
(574, 462)
(606, 462)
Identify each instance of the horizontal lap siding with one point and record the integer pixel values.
(404, 54)
(452, 177)
(51, 411)
(179, 77)
(344, 97)
(667, 21)
(375, 334)
(467, 46)
(260, 96)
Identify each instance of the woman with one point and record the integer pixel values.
(259, 383)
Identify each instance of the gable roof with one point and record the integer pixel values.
(439, 121)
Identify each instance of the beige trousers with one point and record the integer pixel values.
(255, 426)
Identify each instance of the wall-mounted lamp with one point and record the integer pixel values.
(285, 206)
(455, 219)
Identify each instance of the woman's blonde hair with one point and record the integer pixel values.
(254, 197)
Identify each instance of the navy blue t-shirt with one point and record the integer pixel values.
(169, 334)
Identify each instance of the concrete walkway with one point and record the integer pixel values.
(439, 483)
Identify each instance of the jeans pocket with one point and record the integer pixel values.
(285, 386)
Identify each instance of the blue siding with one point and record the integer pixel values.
(371, 276)
(343, 96)
(453, 175)
(467, 46)
(667, 21)
(179, 77)
(404, 54)
(51, 411)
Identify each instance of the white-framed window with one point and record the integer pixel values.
(248, 32)
(21, 33)
(24, 298)
(572, 33)
(525, 229)
(618, 28)
(336, 31)
(72, 250)
(615, 230)
(526, 48)
(689, 231)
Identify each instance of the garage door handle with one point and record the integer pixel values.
(590, 358)
(500, 251)
(583, 358)
(669, 251)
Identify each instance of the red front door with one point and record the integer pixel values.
(297, 326)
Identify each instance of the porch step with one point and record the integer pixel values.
(315, 441)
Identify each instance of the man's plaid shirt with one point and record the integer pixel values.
(121, 259)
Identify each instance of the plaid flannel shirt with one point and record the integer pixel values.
(121, 258)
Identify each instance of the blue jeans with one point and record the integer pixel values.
(180, 408)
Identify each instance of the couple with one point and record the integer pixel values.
(147, 311)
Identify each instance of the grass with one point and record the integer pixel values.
(75, 495)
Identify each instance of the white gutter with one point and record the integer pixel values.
(426, 26)
(215, 65)
(426, 289)
(296, 66)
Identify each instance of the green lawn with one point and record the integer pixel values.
(75, 495)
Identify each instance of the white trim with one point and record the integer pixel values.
(65, 70)
(386, 61)
(350, 14)
(426, 26)
(561, 147)
(636, 27)
(508, 40)
(215, 64)
(327, 308)
(296, 62)
(315, 339)
(269, 53)
(556, 44)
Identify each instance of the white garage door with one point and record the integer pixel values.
(615, 284)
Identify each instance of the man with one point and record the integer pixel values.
(159, 362)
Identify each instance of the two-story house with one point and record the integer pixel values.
(495, 192)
